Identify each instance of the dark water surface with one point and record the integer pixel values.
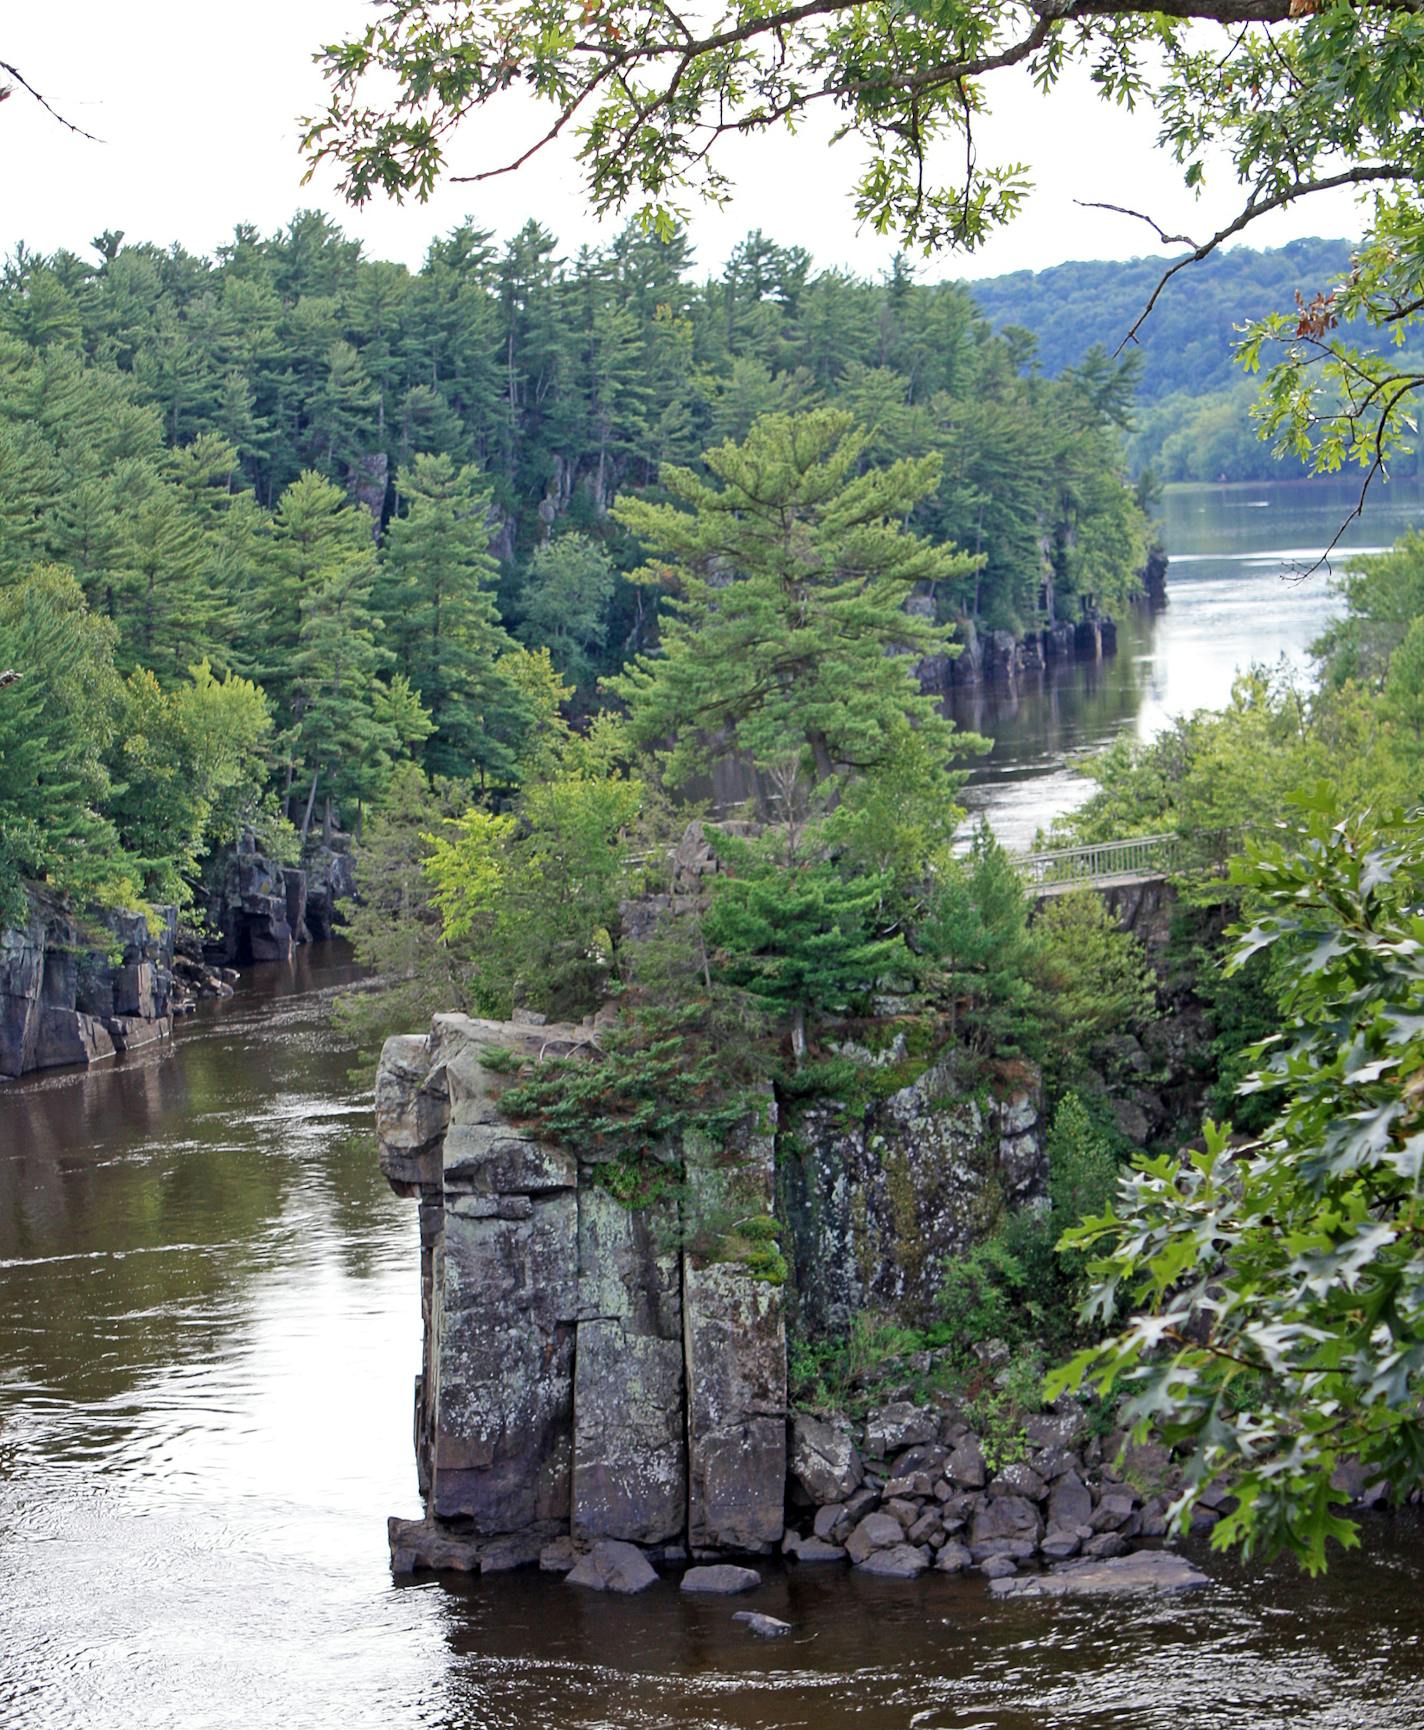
(1236, 595)
(208, 1328)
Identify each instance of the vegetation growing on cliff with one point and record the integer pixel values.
(374, 494)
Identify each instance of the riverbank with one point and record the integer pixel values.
(78, 988)
(206, 1299)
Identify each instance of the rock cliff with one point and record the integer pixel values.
(588, 1376)
(77, 992)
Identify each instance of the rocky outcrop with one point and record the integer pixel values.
(257, 909)
(585, 1372)
(879, 1195)
(934, 1494)
(75, 991)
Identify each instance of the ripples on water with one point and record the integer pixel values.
(209, 1326)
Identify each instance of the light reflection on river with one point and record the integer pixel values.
(209, 1325)
(208, 1328)
(1236, 595)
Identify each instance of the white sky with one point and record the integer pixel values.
(197, 106)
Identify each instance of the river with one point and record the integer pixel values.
(209, 1325)
(1238, 593)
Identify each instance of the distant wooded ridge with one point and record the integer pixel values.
(1186, 344)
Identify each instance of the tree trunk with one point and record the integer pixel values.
(311, 804)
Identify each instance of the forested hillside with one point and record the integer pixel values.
(1186, 343)
(1193, 418)
(278, 521)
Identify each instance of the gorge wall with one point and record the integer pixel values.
(79, 988)
(587, 1373)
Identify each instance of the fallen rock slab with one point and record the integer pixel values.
(818, 1550)
(613, 1566)
(721, 1577)
(768, 1627)
(1145, 1572)
(902, 1562)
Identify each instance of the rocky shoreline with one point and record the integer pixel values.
(78, 989)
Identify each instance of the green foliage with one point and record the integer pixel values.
(567, 590)
(787, 637)
(532, 896)
(1092, 982)
(56, 723)
(975, 946)
(1279, 1287)
(800, 939)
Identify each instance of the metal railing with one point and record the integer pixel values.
(1138, 856)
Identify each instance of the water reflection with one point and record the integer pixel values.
(1236, 595)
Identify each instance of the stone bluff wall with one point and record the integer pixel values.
(65, 999)
(587, 1376)
(878, 1199)
(259, 910)
(583, 1374)
(78, 990)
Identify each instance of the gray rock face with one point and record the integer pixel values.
(824, 1460)
(1145, 1573)
(613, 1566)
(723, 1578)
(953, 1559)
(734, 1350)
(64, 1001)
(913, 1180)
(581, 1374)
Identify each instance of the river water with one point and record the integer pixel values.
(1238, 593)
(209, 1325)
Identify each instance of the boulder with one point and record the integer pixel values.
(1059, 1545)
(953, 1559)
(765, 1627)
(1112, 1512)
(1006, 1517)
(558, 1557)
(1106, 1544)
(722, 1578)
(965, 1465)
(875, 1532)
(1018, 1480)
(998, 1567)
(927, 1457)
(419, 1544)
(818, 1550)
(1144, 1573)
(613, 1566)
(1070, 1503)
(833, 1524)
(824, 1460)
(899, 1562)
(899, 1426)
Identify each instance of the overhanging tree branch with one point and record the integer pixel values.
(11, 71)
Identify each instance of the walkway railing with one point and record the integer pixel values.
(1138, 856)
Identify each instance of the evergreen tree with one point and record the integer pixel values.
(444, 625)
(788, 631)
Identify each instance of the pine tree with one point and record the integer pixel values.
(443, 622)
(788, 631)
